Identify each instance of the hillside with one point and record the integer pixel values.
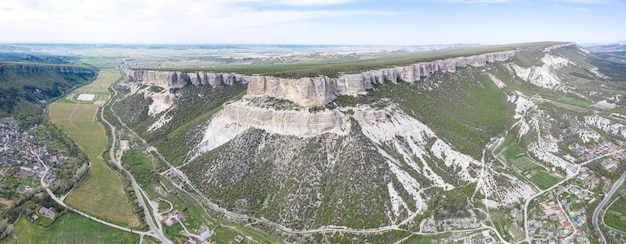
(399, 146)
(28, 82)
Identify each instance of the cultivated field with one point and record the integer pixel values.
(101, 193)
(615, 216)
(544, 180)
(70, 228)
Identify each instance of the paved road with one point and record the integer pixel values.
(60, 202)
(138, 192)
(596, 213)
(558, 185)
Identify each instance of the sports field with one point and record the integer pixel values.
(544, 180)
(523, 164)
(70, 228)
(101, 193)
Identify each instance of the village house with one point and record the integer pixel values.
(48, 212)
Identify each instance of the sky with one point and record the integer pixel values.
(344, 22)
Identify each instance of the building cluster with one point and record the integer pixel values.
(561, 217)
(19, 152)
(584, 153)
(16, 146)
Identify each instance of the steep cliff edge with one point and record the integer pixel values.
(406, 154)
(314, 91)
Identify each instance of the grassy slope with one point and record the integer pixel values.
(101, 193)
(177, 137)
(70, 228)
(466, 108)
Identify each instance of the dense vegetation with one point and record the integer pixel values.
(615, 70)
(261, 178)
(27, 83)
(25, 87)
(194, 105)
(465, 108)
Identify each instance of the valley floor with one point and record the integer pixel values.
(101, 193)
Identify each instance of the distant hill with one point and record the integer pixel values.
(608, 48)
(28, 82)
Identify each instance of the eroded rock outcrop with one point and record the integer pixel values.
(314, 91)
(25, 68)
(239, 116)
(180, 79)
(308, 91)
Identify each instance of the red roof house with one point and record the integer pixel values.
(566, 225)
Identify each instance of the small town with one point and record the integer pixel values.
(21, 154)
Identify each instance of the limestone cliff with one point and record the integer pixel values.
(180, 79)
(239, 116)
(314, 91)
(63, 69)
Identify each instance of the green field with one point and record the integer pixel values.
(615, 216)
(619, 109)
(70, 228)
(513, 151)
(544, 180)
(523, 164)
(575, 101)
(101, 193)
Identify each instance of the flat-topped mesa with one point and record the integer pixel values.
(314, 91)
(179, 79)
(323, 90)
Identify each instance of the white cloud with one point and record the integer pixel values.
(312, 2)
(479, 1)
(284, 21)
(163, 20)
(589, 1)
(571, 8)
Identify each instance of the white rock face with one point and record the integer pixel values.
(220, 130)
(237, 117)
(163, 119)
(322, 90)
(313, 91)
(179, 79)
(606, 125)
(305, 92)
(160, 102)
(388, 126)
(501, 195)
(543, 76)
(496, 81)
(287, 122)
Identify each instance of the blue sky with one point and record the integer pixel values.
(355, 22)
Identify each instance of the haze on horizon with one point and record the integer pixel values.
(351, 22)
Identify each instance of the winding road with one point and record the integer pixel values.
(138, 191)
(60, 202)
(155, 231)
(527, 239)
(605, 200)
